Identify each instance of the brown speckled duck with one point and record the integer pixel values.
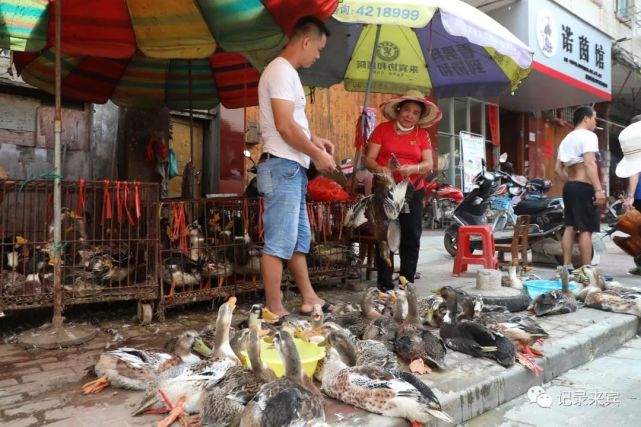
(376, 390)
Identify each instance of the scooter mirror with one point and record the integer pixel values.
(488, 176)
(503, 158)
(247, 154)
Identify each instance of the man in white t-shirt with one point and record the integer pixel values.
(576, 164)
(288, 147)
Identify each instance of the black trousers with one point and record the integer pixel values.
(411, 230)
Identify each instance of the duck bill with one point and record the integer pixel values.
(21, 240)
(201, 348)
(232, 302)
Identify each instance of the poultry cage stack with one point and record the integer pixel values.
(207, 249)
(331, 255)
(108, 245)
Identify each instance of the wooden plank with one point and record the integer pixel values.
(75, 128)
(18, 113)
(17, 137)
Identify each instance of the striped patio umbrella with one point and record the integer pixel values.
(147, 53)
(441, 47)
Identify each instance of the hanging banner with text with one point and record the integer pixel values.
(472, 156)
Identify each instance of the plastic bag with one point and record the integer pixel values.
(173, 164)
(323, 189)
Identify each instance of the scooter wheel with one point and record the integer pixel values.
(450, 239)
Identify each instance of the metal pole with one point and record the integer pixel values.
(357, 159)
(57, 199)
(191, 139)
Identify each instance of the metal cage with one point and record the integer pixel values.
(109, 243)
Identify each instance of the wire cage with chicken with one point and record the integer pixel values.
(207, 249)
(108, 245)
(332, 254)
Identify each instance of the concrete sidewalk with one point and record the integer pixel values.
(42, 387)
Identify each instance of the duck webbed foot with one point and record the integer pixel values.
(526, 349)
(96, 386)
(527, 361)
(417, 366)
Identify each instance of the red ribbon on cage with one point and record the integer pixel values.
(179, 230)
(106, 210)
(80, 207)
(118, 204)
(126, 202)
(137, 198)
(341, 221)
(245, 216)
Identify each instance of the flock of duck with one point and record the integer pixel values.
(373, 351)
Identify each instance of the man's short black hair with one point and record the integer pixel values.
(309, 24)
(581, 113)
(635, 119)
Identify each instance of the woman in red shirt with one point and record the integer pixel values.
(404, 136)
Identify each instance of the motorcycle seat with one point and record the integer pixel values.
(529, 207)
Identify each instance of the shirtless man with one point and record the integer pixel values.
(576, 164)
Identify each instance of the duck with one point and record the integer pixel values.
(12, 249)
(556, 301)
(619, 300)
(191, 380)
(179, 270)
(287, 401)
(415, 343)
(376, 390)
(366, 352)
(357, 321)
(521, 329)
(224, 404)
(473, 338)
(134, 368)
(383, 329)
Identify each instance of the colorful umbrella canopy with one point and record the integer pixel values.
(150, 53)
(144, 82)
(443, 47)
(173, 29)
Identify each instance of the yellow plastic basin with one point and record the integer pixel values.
(309, 354)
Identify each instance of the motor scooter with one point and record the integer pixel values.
(440, 201)
(546, 214)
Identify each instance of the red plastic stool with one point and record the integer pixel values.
(464, 255)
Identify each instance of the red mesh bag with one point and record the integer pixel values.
(323, 189)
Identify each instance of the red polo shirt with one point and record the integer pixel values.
(408, 148)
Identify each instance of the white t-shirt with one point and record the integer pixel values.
(280, 80)
(575, 144)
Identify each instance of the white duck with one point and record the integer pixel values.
(134, 368)
(191, 380)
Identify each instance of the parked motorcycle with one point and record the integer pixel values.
(546, 214)
(440, 201)
(252, 187)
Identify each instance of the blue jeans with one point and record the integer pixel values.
(283, 183)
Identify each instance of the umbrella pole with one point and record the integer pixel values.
(59, 336)
(191, 139)
(358, 154)
(56, 322)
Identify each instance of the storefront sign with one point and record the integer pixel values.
(569, 47)
(472, 153)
